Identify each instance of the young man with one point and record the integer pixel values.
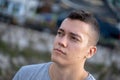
(75, 42)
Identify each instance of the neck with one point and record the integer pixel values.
(71, 73)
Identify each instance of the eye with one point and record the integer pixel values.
(60, 33)
(73, 38)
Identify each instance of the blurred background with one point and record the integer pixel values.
(28, 28)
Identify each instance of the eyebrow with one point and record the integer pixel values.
(60, 29)
(74, 34)
(71, 33)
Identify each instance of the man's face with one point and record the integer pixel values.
(71, 42)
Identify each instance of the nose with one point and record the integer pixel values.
(63, 41)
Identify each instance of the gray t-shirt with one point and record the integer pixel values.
(37, 72)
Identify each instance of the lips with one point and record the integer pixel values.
(59, 51)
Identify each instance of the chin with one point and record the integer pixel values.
(53, 58)
(58, 61)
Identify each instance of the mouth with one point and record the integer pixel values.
(58, 51)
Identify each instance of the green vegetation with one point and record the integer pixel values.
(94, 68)
(27, 52)
(31, 56)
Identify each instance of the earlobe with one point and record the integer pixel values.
(92, 51)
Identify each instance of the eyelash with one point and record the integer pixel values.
(59, 33)
(74, 38)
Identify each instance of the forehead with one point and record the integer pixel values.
(75, 26)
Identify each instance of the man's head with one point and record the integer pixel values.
(76, 39)
(89, 19)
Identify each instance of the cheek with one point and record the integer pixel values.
(74, 50)
(75, 47)
(77, 51)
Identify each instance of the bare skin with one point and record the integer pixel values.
(71, 50)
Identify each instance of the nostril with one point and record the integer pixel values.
(62, 43)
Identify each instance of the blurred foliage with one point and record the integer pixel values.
(31, 56)
(109, 42)
(26, 52)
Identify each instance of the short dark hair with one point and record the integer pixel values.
(87, 17)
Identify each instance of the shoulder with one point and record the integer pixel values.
(34, 67)
(29, 71)
(90, 77)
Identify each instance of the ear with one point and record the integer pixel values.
(92, 51)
